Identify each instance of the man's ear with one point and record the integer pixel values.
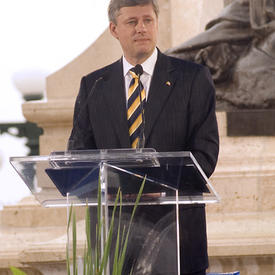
(113, 31)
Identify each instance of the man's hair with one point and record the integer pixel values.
(116, 5)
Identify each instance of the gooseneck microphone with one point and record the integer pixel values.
(76, 139)
(138, 70)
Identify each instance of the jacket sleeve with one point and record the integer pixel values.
(203, 137)
(81, 137)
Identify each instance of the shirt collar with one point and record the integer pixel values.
(148, 65)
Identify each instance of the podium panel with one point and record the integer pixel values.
(171, 180)
(76, 173)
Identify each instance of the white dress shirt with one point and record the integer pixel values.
(148, 68)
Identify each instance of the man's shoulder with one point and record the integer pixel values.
(182, 64)
(104, 71)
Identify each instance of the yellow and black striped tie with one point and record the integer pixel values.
(136, 102)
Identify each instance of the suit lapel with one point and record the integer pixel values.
(114, 96)
(163, 81)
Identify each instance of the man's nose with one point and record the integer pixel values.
(140, 27)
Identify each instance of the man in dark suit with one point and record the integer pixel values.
(179, 111)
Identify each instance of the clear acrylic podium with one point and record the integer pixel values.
(171, 179)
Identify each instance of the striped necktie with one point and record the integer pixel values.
(135, 112)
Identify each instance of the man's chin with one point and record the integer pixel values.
(144, 53)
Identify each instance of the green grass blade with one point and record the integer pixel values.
(117, 247)
(74, 245)
(85, 260)
(120, 260)
(88, 250)
(68, 241)
(99, 227)
(16, 271)
(123, 254)
(107, 244)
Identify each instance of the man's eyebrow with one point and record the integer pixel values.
(135, 17)
(131, 17)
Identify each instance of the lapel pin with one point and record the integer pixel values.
(168, 83)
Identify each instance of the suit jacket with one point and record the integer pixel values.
(180, 116)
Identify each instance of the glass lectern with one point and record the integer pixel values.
(171, 179)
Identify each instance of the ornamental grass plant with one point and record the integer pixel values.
(95, 259)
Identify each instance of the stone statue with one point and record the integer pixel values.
(239, 49)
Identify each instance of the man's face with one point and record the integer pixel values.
(136, 29)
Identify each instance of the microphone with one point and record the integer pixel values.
(75, 141)
(138, 70)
